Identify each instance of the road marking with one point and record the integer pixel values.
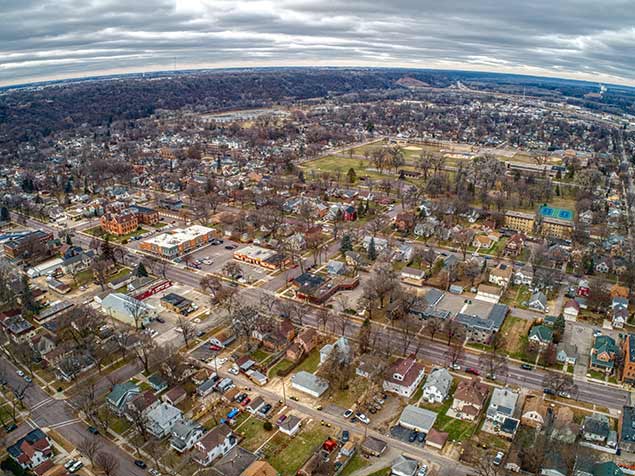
(65, 423)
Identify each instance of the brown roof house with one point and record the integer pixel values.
(469, 399)
(535, 411)
(307, 339)
(404, 376)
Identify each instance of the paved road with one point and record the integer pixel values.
(61, 416)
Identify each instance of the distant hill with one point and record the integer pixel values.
(412, 83)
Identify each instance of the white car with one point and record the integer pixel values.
(154, 333)
(498, 459)
(456, 367)
(221, 360)
(234, 371)
(423, 470)
(348, 413)
(75, 467)
(363, 418)
(20, 373)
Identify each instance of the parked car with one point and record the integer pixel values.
(161, 320)
(245, 402)
(154, 472)
(498, 459)
(28, 379)
(281, 419)
(363, 418)
(456, 367)
(526, 367)
(473, 371)
(348, 413)
(20, 373)
(423, 470)
(75, 467)
(93, 430)
(140, 463)
(10, 428)
(548, 391)
(265, 409)
(412, 437)
(345, 436)
(421, 437)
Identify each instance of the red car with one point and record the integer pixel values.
(245, 402)
(214, 347)
(472, 371)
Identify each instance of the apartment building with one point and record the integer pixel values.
(519, 221)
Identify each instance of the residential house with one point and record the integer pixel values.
(140, 404)
(481, 329)
(541, 335)
(619, 310)
(489, 293)
(214, 444)
(234, 463)
(32, 450)
(405, 222)
(515, 244)
(501, 275)
(120, 395)
(374, 446)
(175, 395)
(185, 434)
(535, 412)
(596, 428)
(500, 412)
(538, 302)
(369, 365)
(161, 418)
(603, 354)
(342, 346)
(436, 388)
(567, 353)
(413, 276)
(523, 276)
(290, 426)
(260, 468)
(307, 339)
(404, 466)
(469, 399)
(571, 310)
(404, 376)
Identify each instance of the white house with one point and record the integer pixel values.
(185, 434)
(290, 426)
(437, 386)
(215, 444)
(404, 376)
(571, 310)
(160, 419)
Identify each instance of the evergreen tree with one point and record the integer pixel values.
(363, 339)
(68, 240)
(352, 176)
(29, 305)
(346, 244)
(141, 270)
(372, 250)
(4, 214)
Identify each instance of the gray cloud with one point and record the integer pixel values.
(42, 39)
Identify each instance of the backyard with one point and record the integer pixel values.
(288, 455)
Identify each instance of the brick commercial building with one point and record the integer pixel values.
(628, 374)
(145, 216)
(32, 246)
(178, 241)
(119, 224)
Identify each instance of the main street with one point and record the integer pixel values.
(590, 392)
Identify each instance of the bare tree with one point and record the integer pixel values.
(107, 463)
(433, 326)
(455, 353)
(188, 330)
(560, 383)
(89, 447)
(137, 310)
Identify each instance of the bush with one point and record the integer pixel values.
(13, 467)
(267, 426)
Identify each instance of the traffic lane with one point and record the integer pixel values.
(76, 433)
(436, 352)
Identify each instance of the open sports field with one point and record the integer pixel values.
(555, 212)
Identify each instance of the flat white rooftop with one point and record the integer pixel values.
(178, 236)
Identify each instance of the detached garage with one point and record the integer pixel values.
(308, 383)
(415, 418)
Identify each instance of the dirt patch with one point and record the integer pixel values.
(514, 330)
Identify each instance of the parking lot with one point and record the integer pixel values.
(212, 258)
(403, 434)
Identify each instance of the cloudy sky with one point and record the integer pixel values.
(583, 39)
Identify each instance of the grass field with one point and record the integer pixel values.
(254, 434)
(282, 365)
(356, 463)
(311, 363)
(514, 329)
(97, 231)
(288, 455)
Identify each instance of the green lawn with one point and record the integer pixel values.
(254, 434)
(381, 472)
(119, 274)
(282, 365)
(288, 455)
(98, 232)
(334, 164)
(259, 355)
(311, 363)
(84, 277)
(356, 463)
(159, 225)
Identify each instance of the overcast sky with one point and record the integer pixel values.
(583, 39)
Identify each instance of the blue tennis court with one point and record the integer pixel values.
(553, 212)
